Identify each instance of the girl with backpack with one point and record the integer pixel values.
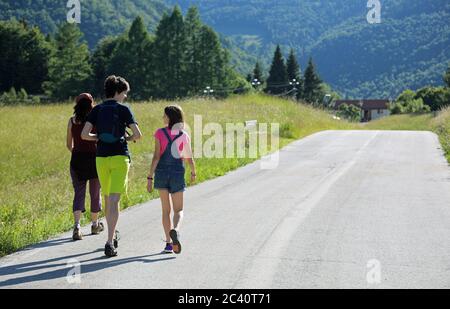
(82, 167)
(111, 118)
(172, 148)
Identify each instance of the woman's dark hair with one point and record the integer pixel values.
(175, 115)
(84, 105)
(115, 84)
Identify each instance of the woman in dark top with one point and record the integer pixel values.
(82, 166)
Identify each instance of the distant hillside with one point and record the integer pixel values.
(99, 18)
(409, 49)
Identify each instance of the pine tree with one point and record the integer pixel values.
(278, 77)
(177, 53)
(447, 77)
(131, 60)
(170, 56)
(24, 57)
(138, 61)
(312, 84)
(100, 62)
(69, 69)
(294, 73)
(193, 28)
(257, 73)
(210, 48)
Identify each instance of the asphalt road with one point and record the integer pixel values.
(343, 209)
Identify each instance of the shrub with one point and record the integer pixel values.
(349, 112)
(286, 130)
(436, 98)
(12, 97)
(407, 103)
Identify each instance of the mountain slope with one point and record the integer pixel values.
(409, 49)
(381, 60)
(98, 17)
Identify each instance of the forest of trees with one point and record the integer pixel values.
(182, 58)
(286, 79)
(99, 18)
(179, 58)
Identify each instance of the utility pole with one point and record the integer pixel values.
(294, 83)
(256, 83)
(208, 91)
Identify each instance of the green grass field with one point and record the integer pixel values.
(35, 187)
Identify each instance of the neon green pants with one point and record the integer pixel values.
(113, 174)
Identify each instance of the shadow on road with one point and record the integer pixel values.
(48, 243)
(63, 269)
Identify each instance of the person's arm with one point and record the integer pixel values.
(69, 139)
(189, 157)
(155, 161)
(136, 133)
(86, 133)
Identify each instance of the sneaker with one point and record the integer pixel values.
(110, 251)
(77, 235)
(168, 249)
(95, 230)
(176, 242)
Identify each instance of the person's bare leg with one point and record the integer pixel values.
(165, 203)
(94, 218)
(107, 211)
(177, 200)
(106, 205)
(77, 217)
(112, 215)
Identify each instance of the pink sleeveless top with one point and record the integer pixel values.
(163, 142)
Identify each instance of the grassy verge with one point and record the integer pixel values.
(35, 188)
(441, 125)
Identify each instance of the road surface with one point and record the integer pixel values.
(344, 209)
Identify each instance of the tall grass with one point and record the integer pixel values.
(441, 125)
(408, 122)
(35, 188)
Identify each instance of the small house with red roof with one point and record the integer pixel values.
(370, 109)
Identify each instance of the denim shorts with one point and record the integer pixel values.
(170, 178)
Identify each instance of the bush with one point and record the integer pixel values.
(286, 130)
(12, 97)
(408, 103)
(395, 109)
(349, 112)
(436, 98)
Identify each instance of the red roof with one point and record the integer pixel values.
(364, 104)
